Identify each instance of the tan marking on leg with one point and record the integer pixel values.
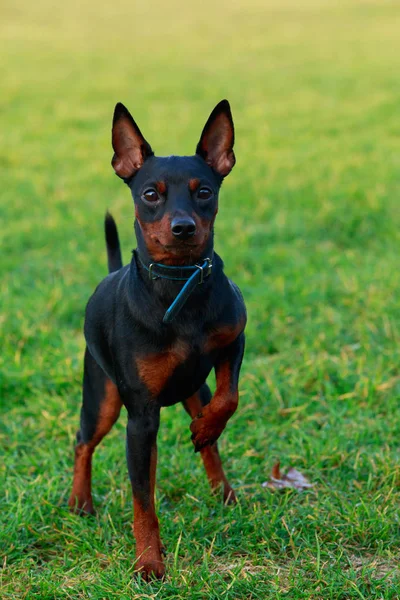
(210, 456)
(225, 400)
(207, 427)
(80, 500)
(81, 495)
(147, 532)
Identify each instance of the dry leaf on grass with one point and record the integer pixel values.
(293, 479)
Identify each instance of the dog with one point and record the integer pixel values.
(155, 328)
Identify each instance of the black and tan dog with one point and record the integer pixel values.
(157, 327)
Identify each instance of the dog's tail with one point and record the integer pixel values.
(112, 241)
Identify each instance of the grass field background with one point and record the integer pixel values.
(309, 227)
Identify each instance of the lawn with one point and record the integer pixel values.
(309, 227)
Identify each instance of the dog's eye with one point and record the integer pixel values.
(150, 195)
(204, 193)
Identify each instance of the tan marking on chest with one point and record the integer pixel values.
(156, 369)
(223, 336)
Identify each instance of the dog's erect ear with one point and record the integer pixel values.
(217, 139)
(130, 147)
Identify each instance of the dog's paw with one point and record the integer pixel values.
(229, 496)
(81, 507)
(205, 431)
(150, 569)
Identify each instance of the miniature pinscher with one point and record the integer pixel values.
(155, 328)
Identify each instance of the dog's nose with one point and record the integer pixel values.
(183, 227)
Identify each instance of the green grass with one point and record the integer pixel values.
(309, 227)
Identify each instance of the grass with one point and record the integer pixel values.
(308, 227)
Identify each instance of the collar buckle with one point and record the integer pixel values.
(205, 267)
(150, 269)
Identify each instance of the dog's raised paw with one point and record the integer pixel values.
(204, 432)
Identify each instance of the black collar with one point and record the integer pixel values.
(177, 273)
(193, 275)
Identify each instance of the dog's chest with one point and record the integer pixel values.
(179, 370)
(156, 369)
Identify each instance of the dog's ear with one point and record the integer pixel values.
(130, 147)
(216, 141)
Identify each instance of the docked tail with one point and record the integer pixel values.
(112, 242)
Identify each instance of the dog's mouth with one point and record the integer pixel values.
(178, 245)
(167, 250)
(180, 248)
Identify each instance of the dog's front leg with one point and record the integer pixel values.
(209, 424)
(141, 451)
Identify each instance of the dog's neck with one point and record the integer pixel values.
(166, 283)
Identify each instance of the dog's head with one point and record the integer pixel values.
(176, 197)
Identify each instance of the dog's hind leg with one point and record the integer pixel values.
(210, 454)
(100, 409)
